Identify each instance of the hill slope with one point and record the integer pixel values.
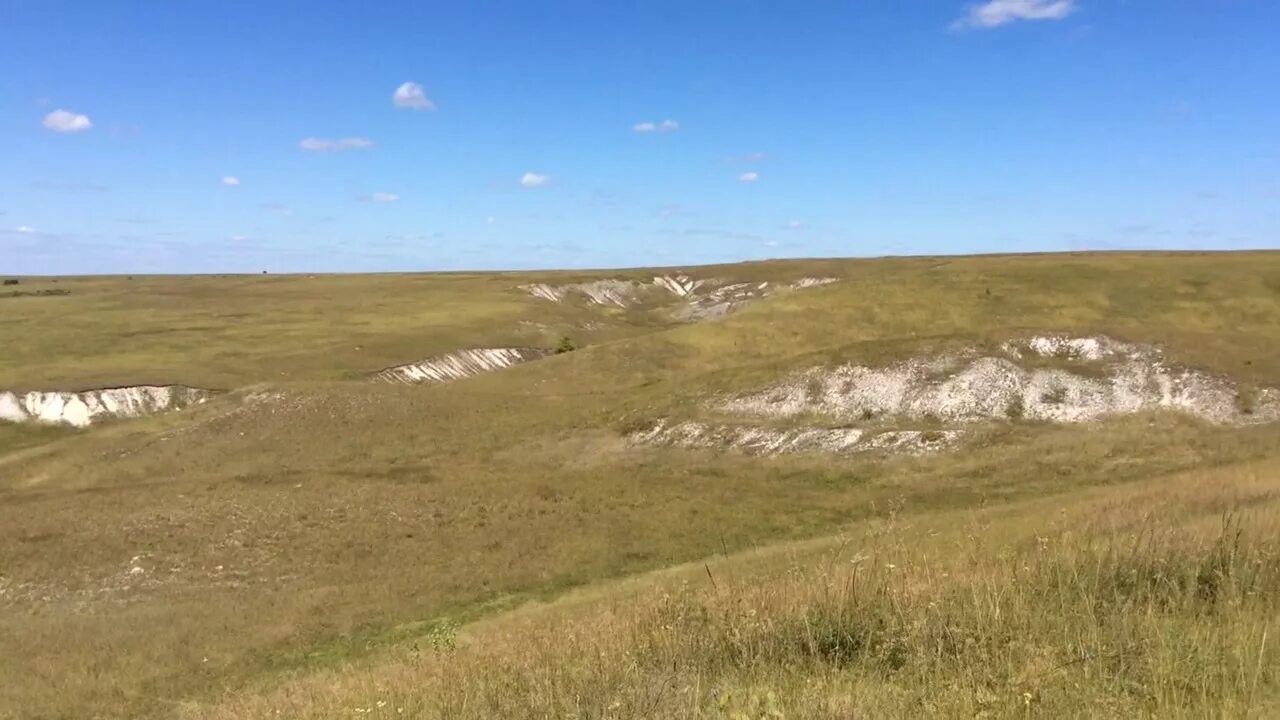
(307, 516)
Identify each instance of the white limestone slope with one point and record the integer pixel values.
(1089, 379)
(458, 365)
(776, 441)
(969, 386)
(703, 298)
(81, 409)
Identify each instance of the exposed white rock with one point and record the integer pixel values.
(704, 298)
(809, 282)
(83, 408)
(459, 365)
(678, 285)
(913, 442)
(1075, 348)
(544, 291)
(774, 441)
(620, 293)
(617, 293)
(967, 386)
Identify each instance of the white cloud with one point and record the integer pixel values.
(995, 13)
(324, 144)
(649, 127)
(533, 180)
(749, 177)
(65, 121)
(25, 229)
(231, 181)
(382, 197)
(411, 95)
(795, 224)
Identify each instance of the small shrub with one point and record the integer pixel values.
(11, 281)
(1247, 400)
(1056, 396)
(1015, 410)
(566, 345)
(633, 425)
(443, 637)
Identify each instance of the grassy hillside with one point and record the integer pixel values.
(1152, 599)
(307, 519)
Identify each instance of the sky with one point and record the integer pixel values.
(187, 136)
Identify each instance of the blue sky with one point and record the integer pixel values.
(796, 129)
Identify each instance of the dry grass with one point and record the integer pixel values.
(1161, 600)
(342, 520)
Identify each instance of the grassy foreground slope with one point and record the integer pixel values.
(304, 524)
(1159, 598)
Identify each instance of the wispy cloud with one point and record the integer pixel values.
(410, 95)
(231, 181)
(651, 127)
(314, 144)
(749, 177)
(25, 230)
(751, 157)
(995, 13)
(383, 197)
(534, 180)
(795, 224)
(65, 121)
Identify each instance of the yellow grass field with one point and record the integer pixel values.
(312, 544)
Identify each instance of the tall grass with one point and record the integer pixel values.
(1165, 621)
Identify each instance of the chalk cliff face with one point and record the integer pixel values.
(775, 441)
(80, 409)
(459, 365)
(706, 298)
(970, 386)
(1091, 378)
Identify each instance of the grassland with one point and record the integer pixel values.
(337, 524)
(1151, 599)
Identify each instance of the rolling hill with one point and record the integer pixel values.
(903, 486)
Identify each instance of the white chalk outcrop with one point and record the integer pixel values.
(809, 282)
(1048, 378)
(775, 441)
(460, 364)
(614, 293)
(969, 386)
(703, 298)
(81, 409)
(678, 285)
